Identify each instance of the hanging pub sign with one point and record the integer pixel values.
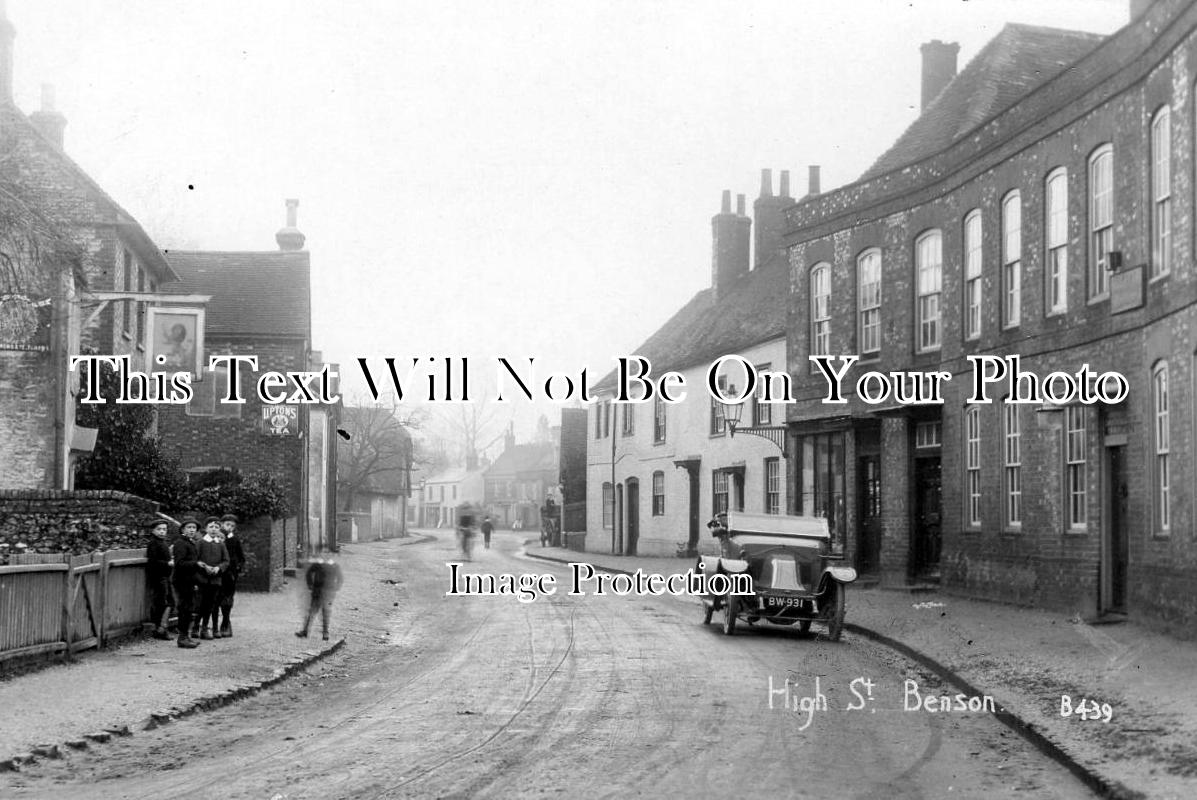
(24, 323)
(280, 420)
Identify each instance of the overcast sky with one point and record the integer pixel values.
(487, 179)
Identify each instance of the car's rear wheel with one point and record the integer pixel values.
(729, 614)
(835, 611)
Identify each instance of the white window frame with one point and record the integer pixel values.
(1055, 203)
(868, 291)
(973, 261)
(1161, 193)
(972, 466)
(772, 485)
(1011, 259)
(659, 420)
(1161, 477)
(1101, 219)
(928, 270)
(1076, 468)
(1012, 465)
(820, 310)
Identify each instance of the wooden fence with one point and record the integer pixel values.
(63, 603)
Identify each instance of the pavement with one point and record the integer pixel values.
(143, 682)
(1029, 661)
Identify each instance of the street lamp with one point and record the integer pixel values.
(731, 416)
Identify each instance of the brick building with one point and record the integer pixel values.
(1041, 205)
(260, 306)
(517, 483)
(66, 243)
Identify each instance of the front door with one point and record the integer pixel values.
(1115, 547)
(633, 514)
(868, 544)
(927, 523)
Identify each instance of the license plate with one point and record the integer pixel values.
(782, 601)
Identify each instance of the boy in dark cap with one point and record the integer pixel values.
(213, 561)
(157, 575)
(186, 557)
(228, 584)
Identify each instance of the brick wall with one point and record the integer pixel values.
(78, 522)
(1042, 561)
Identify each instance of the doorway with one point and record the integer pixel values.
(927, 520)
(868, 493)
(1115, 551)
(633, 515)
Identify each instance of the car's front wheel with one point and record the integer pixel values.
(835, 611)
(729, 614)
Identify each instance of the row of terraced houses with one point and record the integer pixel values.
(1042, 204)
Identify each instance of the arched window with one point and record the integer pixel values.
(972, 274)
(1011, 259)
(1161, 193)
(868, 292)
(1012, 471)
(928, 265)
(1101, 218)
(972, 466)
(1056, 222)
(1161, 477)
(820, 309)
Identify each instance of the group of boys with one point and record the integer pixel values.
(200, 572)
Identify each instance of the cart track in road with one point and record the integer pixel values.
(610, 696)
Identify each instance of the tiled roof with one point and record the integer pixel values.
(752, 312)
(524, 458)
(1013, 64)
(255, 293)
(129, 228)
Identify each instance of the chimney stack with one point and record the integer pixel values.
(769, 216)
(731, 238)
(289, 237)
(7, 34)
(939, 67)
(47, 119)
(812, 181)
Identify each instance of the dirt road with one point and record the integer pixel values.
(580, 696)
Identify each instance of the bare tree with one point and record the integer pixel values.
(375, 449)
(474, 427)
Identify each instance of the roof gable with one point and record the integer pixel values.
(524, 458)
(752, 312)
(253, 293)
(1012, 65)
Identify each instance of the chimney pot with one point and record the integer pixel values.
(766, 183)
(813, 180)
(726, 208)
(7, 34)
(290, 237)
(939, 67)
(784, 191)
(740, 205)
(47, 119)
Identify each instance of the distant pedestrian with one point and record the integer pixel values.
(323, 579)
(158, 564)
(487, 529)
(186, 557)
(228, 583)
(213, 561)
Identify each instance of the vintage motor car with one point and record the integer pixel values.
(795, 577)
